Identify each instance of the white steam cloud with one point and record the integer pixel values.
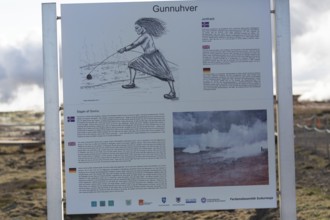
(237, 136)
(21, 73)
(239, 141)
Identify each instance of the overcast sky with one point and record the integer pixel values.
(21, 77)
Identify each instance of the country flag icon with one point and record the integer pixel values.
(205, 47)
(72, 170)
(71, 119)
(205, 24)
(206, 70)
(71, 143)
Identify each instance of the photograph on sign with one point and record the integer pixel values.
(226, 148)
(168, 107)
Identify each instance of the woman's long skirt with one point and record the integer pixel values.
(153, 64)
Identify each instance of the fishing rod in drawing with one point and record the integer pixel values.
(89, 75)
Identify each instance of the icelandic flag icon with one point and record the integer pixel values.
(205, 24)
(71, 119)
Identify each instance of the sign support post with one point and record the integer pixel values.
(52, 113)
(286, 159)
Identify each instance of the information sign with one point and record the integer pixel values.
(168, 106)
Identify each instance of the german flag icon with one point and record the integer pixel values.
(72, 170)
(206, 70)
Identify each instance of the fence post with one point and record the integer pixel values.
(327, 133)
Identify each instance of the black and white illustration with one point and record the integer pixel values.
(220, 148)
(131, 67)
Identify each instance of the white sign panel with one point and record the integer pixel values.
(168, 106)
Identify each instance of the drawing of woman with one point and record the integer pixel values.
(152, 61)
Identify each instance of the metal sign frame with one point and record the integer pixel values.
(286, 160)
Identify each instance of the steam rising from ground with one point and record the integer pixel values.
(238, 141)
(238, 135)
(20, 66)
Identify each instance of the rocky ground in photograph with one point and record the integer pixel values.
(23, 179)
(209, 168)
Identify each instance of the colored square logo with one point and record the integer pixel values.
(128, 202)
(111, 203)
(102, 203)
(94, 204)
(141, 201)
